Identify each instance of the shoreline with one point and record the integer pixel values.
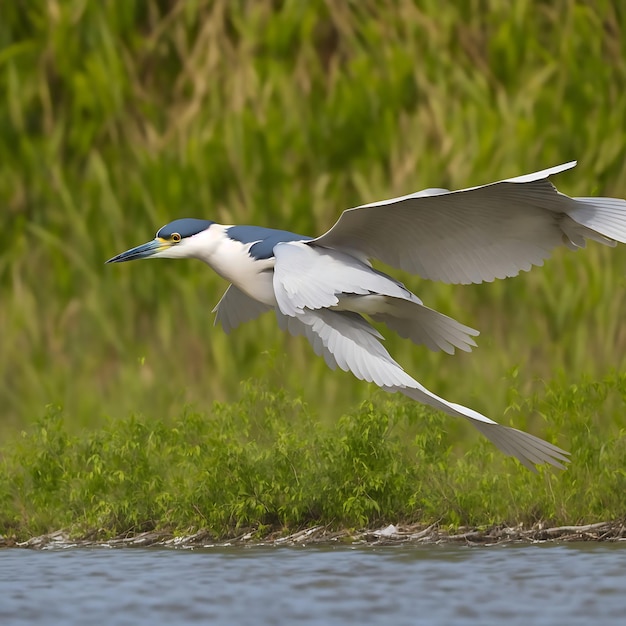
(416, 534)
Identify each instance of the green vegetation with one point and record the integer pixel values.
(264, 463)
(118, 117)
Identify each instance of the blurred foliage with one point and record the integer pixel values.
(118, 117)
(263, 463)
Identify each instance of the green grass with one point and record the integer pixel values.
(118, 117)
(265, 463)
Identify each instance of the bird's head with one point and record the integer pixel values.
(177, 240)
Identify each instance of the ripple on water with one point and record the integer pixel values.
(537, 584)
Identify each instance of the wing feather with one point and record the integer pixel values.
(235, 308)
(476, 234)
(603, 215)
(414, 321)
(311, 277)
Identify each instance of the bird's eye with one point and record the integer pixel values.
(175, 237)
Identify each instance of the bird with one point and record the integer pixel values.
(325, 288)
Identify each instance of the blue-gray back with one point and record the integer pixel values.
(266, 239)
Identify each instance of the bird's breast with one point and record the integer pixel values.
(232, 261)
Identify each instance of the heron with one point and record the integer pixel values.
(325, 287)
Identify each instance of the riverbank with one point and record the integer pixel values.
(316, 535)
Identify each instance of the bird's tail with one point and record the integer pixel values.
(602, 219)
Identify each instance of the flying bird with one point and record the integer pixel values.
(324, 287)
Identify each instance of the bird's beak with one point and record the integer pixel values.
(143, 251)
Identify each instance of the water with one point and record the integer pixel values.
(513, 585)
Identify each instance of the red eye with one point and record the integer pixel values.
(175, 237)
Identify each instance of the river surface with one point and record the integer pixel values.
(583, 583)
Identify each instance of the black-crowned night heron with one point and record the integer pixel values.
(322, 287)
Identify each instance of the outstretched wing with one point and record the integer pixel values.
(235, 308)
(477, 234)
(346, 340)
